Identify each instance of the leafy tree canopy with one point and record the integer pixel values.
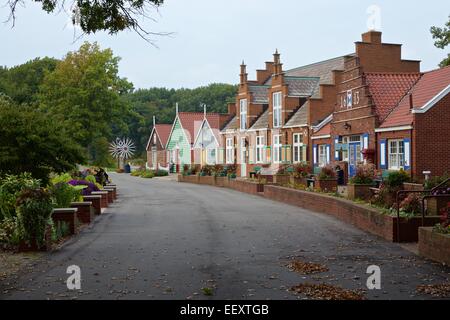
(112, 16)
(442, 37)
(22, 82)
(31, 141)
(83, 93)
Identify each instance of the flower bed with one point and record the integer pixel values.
(362, 216)
(434, 245)
(359, 191)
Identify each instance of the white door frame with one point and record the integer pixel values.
(242, 157)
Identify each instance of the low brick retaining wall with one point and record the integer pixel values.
(85, 211)
(96, 203)
(68, 215)
(104, 195)
(365, 218)
(114, 188)
(238, 185)
(110, 195)
(434, 246)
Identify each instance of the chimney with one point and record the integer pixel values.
(372, 36)
(243, 73)
(277, 66)
(154, 121)
(176, 108)
(232, 108)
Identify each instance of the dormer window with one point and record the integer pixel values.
(276, 109)
(243, 114)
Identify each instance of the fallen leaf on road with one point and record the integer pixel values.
(438, 290)
(306, 267)
(327, 292)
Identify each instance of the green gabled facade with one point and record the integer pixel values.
(178, 146)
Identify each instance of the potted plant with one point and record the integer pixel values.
(368, 154)
(300, 174)
(327, 180)
(359, 185)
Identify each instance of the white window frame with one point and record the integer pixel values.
(243, 114)
(322, 155)
(229, 151)
(276, 150)
(260, 147)
(297, 149)
(276, 103)
(396, 158)
(209, 157)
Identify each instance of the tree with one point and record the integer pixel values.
(83, 92)
(21, 83)
(31, 141)
(442, 37)
(112, 16)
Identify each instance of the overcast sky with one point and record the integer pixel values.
(212, 37)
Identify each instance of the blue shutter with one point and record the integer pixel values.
(315, 155)
(407, 146)
(336, 152)
(383, 162)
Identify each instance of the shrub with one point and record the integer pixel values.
(147, 174)
(160, 173)
(207, 170)
(65, 177)
(395, 179)
(365, 174)
(230, 169)
(34, 208)
(9, 231)
(136, 173)
(90, 187)
(327, 173)
(60, 230)
(411, 204)
(63, 194)
(10, 187)
(301, 170)
(219, 171)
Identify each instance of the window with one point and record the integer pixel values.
(211, 156)
(277, 149)
(396, 154)
(260, 145)
(298, 148)
(230, 151)
(349, 99)
(243, 114)
(277, 109)
(323, 155)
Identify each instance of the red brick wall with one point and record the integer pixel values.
(434, 246)
(431, 139)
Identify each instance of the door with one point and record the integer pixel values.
(354, 157)
(243, 158)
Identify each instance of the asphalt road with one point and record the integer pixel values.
(167, 240)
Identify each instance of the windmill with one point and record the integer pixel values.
(122, 149)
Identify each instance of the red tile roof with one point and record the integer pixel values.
(430, 85)
(387, 89)
(191, 122)
(163, 131)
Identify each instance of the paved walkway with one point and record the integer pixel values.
(167, 240)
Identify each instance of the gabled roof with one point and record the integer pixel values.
(162, 131)
(192, 121)
(300, 117)
(426, 89)
(262, 122)
(387, 90)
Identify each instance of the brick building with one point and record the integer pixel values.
(416, 133)
(156, 145)
(373, 82)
